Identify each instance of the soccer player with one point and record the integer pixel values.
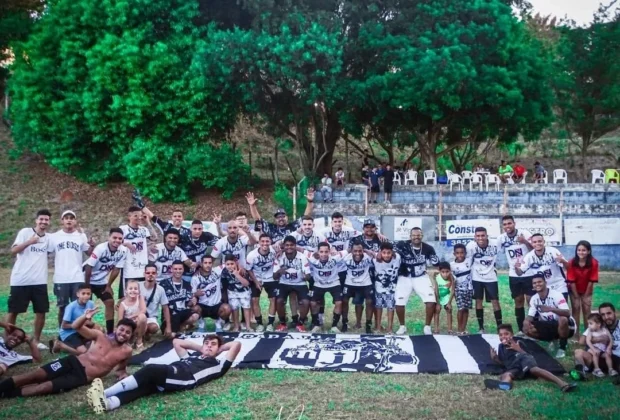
(29, 275)
(165, 253)
(207, 288)
(292, 270)
(324, 265)
(136, 239)
(71, 372)
(259, 263)
(12, 338)
(188, 373)
(68, 244)
(156, 303)
(107, 259)
(549, 317)
(233, 244)
(482, 256)
(516, 244)
(308, 239)
(196, 244)
(184, 312)
(386, 266)
(463, 289)
(358, 283)
(412, 277)
(164, 226)
(547, 260)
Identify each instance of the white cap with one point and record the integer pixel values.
(66, 212)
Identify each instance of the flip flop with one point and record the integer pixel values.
(495, 384)
(569, 387)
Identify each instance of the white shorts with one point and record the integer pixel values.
(237, 302)
(153, 320)
(559, 287)
(422, 286)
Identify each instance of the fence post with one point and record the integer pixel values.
(295, 203)
(440, 212)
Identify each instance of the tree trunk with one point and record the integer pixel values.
(428, 150)
(325, 141)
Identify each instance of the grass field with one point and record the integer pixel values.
(281, 394)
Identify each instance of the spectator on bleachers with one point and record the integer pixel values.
(539, 172)
(340, 178)
(478, 168)
(504, 171)
(518, 172)
(326, 188)
(373, 183)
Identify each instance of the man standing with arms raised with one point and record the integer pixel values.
(29, 275)
(136, 239)
(412, 277)
(516, 244)
(482, 256)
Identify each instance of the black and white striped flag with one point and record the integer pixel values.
(360, 353)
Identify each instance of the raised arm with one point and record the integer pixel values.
(253, 209)
(80, 325)
(309, 202)
(232, 348)
(181, 347)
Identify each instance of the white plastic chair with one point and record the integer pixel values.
(475, 179)
(466, 175)
(430, 175)
(493, 179)
(456, 179)
(397, 178)
(411, 176)
(524, 177)
(545, 177)
(558, 175)
(598, 175)
(449, 174)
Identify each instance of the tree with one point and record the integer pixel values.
(109, 90)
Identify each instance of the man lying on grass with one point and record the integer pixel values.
(73, 371)
(12, 338)
(187, 373)
(519, 364)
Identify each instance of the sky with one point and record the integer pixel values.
(581, 11)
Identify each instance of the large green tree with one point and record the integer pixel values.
(111, 89)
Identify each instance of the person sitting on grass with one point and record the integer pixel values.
(188, 373)
(14, 337)
(600, 343)
(444, 293)
(69, 340)
(519, 364)
(133, 307)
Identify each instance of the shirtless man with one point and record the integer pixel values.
(74, 371)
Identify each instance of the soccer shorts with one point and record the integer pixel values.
(421, 285)
(520, 286)
(284, 290)
(65, 374)
(548, 330)
(210, 311)
(359, 293)
(484, 289)
(318, 294)
(99, 291)
(21, 296)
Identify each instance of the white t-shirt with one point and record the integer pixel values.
(358, 273)
(387, 274)
(159, 299)
(340, 175)
(10, 357)
(296, 269)
(546, 264)
(163, 259)
(211, 285)
(103, 260)
(327, 182)
(554, 299)
(135, 262)
(462, 274)
(31, 264)
(223, 247)
(69, 249)
(615, 336)
(514, 249)
(325, 274)
(482, 262)
(261, 265)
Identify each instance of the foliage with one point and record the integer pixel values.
(283, 197)
(125, 97)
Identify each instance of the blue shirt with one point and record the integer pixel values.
(72, 312)
(374, 179)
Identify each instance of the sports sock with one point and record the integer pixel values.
(126, 384)
(295, 319)
(7, 385)
(259, 320)
(315, 320)
(520, 314)
(109, 326)
(480, 316)
(335, 320)
(498, 317)
(563, 343)
(271, 318)
(113, 403)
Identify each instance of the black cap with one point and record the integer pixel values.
(369, 222)
(279, 212)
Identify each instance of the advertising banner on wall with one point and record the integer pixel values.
(551, 229)
(462, 231)
(403, 226)
(597, 231)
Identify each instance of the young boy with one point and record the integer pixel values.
(463, 288)
(443, 283)
(69, 340)
(386, 272)
(239, 294)
(519, 363)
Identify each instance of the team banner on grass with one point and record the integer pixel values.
(359, 353)
(462, 231)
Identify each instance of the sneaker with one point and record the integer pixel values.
(482, 332)
(269, 328)
(427, 330)
(402, 330)
(552, 346)
(345, 327)
(243, 327)
(218, 326)
(227, 326)
(334, 330)
(316, 329)
(260, 328)
(300, 328)
(321, 319)
(598, 373)
(201, 325)
(42, 346)
(282, 328)
(96, 397)
(613, 372)
(560, 354)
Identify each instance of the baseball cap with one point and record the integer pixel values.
(279, 212)
(68, 212)
(369, 222)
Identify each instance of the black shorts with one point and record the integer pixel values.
(318, 294)
(548, 330)
(520, 286)
(123, 281)
(210, 311)
(98, 290)
(284, 290)
(358, 293)
(176, 319)
(65, 293)
(21, 296)
(387, 188)
(521, 366)
(488, 290)
(270, 288)
(254, 290)
(65, 374)
(76, 340)
(375, 189)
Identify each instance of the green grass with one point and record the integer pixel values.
(282, 394)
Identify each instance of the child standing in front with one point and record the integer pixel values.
(463, 289)
(444, 293)
(133, 307)
(599, 343)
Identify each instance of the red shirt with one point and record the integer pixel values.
(581, 276)
(519, 170)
